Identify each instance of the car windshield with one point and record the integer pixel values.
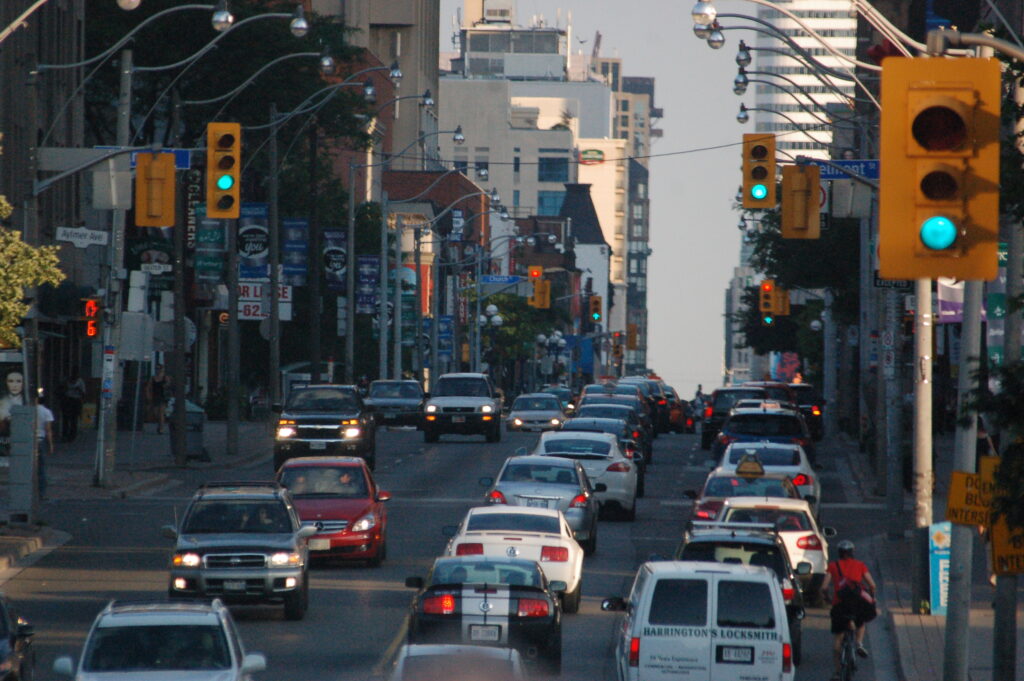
(736, 552)
(394, 390)
(536, 404)
(461, 387)
(520, 572)
(764, 424)
(578, 448)
(785, 520)
(806, 393)
(735, 486)
(768, 456)
(513, 522)
(532, 472)
(321, 399)
(448, 667)
(145, 648)
(347, 482)
(725, 399)
(604, 411)
(242, 515)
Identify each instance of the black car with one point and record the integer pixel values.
(812, 406)
(325, 420)
(785, 426)
(621, 430)
(659, 401)
(17, 657)
(637, 404)
(396, 403)
(750, 544)
(492, 601)
(625, 412)
(717, 408)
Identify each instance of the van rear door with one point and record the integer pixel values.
(750, 630)
(675, 636)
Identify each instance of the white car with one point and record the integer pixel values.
(779, 458)
(535, 411)
(161, 640)
(450, 661)
(795, 524)
(540, 534)
(604, 462)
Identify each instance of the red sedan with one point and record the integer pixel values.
(340, 496)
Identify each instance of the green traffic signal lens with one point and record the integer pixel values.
(938, 233)
(596, 317)
(225, 182)
(767, 320)
(759, 191)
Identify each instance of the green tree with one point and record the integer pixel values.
(25, 266)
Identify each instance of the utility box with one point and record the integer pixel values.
(22, 484)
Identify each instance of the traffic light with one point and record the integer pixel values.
(223, 170)
(595, 308)
(766, 300)
(541, 297)
(801, 212)
(781, 305)
(154, 190)
(758, 171)
(536, 272)
(939, 189)
(632, 333)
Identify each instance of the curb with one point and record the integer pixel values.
(14, 547)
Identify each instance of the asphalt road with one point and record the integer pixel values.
(357, 614)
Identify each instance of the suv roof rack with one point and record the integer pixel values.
(241, 483)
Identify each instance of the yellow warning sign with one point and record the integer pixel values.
(970, 494)
(1007, 549)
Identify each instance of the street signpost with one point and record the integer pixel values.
(866, 168)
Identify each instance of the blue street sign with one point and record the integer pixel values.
(867, 168)
(182, 157)
(500, 279)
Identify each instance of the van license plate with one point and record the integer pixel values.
(484, 632)
(234, 585)
(736, 654)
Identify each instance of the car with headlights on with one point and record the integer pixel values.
(538, 534)
(564, 396)
(339, 497)
(242, 542)
(153, 640)
(326, 420)
(535, 411)
(396, 403)
(457, 662)
(625, 435)
(604, 462)
(490, 601)
(463, 404)
(748, 480)
(17, 656)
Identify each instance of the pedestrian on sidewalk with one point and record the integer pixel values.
(71, 407)
(853, 600)
(44, 441)
(157, 391)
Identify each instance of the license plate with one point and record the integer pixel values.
(736, 654)
(318, 445)
(537, 503)
(484, 632)
(234, 585)
(458, 419)
(391, 414)
(319, 544)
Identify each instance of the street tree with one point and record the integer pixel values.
(25, 266)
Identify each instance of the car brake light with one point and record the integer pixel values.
(801, 480)
(707, 412)
(706, 515)
(469, 549)
(496, 497)
(816, 410)
(636, 434)
(788, 592)
(800, 441)
(787, 658)
(725, 440)
(439, 605)
(809, 542)
(662, 402)
(634, 652)
(578, 501)
(554, 554)
(618, 467)
(532, 607)
(689, 422)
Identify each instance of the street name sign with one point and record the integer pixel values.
(500, 279)
(866, 168)
(82, 238)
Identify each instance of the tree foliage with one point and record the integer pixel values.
(24, 266)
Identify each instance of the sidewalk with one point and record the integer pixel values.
(920, 639)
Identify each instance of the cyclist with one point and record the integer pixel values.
(847, 575)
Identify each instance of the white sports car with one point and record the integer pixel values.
(540, 534)
(603, 461)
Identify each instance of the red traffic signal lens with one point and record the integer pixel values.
(758, 152)
(536, 272)
(767, 286)
(939, 128)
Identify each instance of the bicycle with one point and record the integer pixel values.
(848, 652)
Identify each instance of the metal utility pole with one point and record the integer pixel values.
(382, 292)
(274, 392)
(955, 653)
(179, 419)
(435, 307)
(831, 366)
(893, 400)
(923, 473)
(234, 350)
(398, 299)
(316, 256)
(418, 335)
(350, 278)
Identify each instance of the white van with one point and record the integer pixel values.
(703, 621)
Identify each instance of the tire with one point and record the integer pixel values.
(571, 601)
(590, 546)
(431, 435)
(382, 553)
(629, 514)
(296, 602)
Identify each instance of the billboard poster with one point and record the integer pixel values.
(253, 242)
(367, 283)
(335, 259)
(294, 251)
(210, 250)
(12, 392)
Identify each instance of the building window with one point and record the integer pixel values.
(624, 121)
(551, 169)
(624, 104)
(462, 165)
(515, 198)
(515, 164)
(549, 203)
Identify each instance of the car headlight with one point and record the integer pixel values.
(187, 559)
(367, 522)
(352, 432)
(517, 422)
(283, 558)
(431, 408)
(556, 422)
(286, 431)
(487, 409)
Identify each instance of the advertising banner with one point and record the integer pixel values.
(335, 259)
(253, 240)
(294, 251)
(367, 283)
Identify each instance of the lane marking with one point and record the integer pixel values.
(388, 656)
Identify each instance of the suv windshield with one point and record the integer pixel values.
(764, 424)
(170, 647)
(242, 515)
(461, 387)
(321, 399)
(725, 399)
(394, 389)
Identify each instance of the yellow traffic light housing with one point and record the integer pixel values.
(766, 296)
(939, 189)
(758, 171)
(541, 294)
(632, 333)
(781, 304)
(154, 190)
(801, 191)
(596, 311)
(223, 170)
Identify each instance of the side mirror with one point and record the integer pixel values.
(383, 496)
(614, 604)
(486, 482)
(169, 531)
(276, 407)
(829, 531)
(307, 531)
(64, 666)
(558, 586)
(414, 582)
(600, 487)
(254, 662)
(449, 531)
(803, 568)
(690, 494)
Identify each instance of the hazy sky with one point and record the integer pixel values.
(693, 228)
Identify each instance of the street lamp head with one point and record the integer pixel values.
(557, 334)
(552, 239)
(562, 343)
(496, 320)
(458, 137)
(742, 224)
(740, 82)
(396, 74)
(129, 5)
(495, 197)
(702, 31)
(504, 214)
(326, 63)
(717, 39)
(815, 325)
(531, 240)
(491, 310)
(482, 320)
(369, 91)
(742, 116)
(541, 339)
(222, 17)
(428, 99)
(703, 12)
(743, 56)
(482, 172)
(299, 26)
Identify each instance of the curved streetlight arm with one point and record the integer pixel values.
(231, 95)
(803, 106)
(416, 141)
(812, 68)
(311, 108)
(803, 129)
(396, 99)
(799, 87)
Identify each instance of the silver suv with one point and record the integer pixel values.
(464, 404)
(242, 542)
(159, 640)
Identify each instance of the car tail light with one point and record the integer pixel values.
(554, 554)
(800, 441)
(532, 607)
(634, 652)
(469, 549)
(809, 543)
(636, 434)
(816, 410)
(662, 401)
(618, 467)
(725, 440)
(707, 412)
(708, 510)
(689, 422)
(630, 451)
(788, 591)
(496, 497)
(439, 605)
(578, 501)
(801, 480)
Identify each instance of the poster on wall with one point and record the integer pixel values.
(12, 392)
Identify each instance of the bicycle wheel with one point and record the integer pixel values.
(847, 657)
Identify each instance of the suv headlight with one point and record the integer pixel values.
(286, 431)
(187, 560)
(431, 408)
(487, 409)
(283, 558)
(352, 432)
(367, 522)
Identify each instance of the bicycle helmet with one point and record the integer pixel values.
(845, 546)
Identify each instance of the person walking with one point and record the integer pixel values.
(157, 390)
(44, 441)
(71, 407)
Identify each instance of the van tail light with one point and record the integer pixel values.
(471, 549)
(809, 543)
(554, 554)
(496, 497)
(578, 501)
(801, 480)
(439, 605)
(707, 412)
(634, 651)
(618, 467)
(816, 410)
(787, 658)
(532, 607)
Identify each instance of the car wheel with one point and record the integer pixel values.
(430, 435)
(590, 546)
(571, 601)
(553, 658)
(630, 513)
(796, 637)
(382, 552)
(296, 602)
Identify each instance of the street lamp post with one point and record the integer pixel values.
(491, 321)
